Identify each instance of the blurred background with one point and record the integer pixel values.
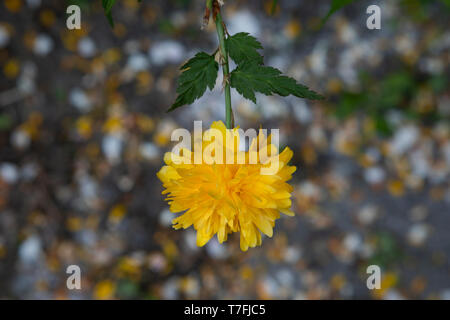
(83, 130)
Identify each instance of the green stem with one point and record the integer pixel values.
(226, 70)
(209, 4)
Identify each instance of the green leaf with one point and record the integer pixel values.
(198, 73)
(5, 122)
(382, 126)
(349, 103)
(335, 6)
(250, 78)
(438, 82)
(127, 289)
(242, 47)
(273, 7)
(107, 6)
(446, 2)
(110, 19)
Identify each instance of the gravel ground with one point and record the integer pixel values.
(83, 130)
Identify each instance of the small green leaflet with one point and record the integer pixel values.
(273, 7)
(335, 6)
(198, 73)
(242, 47)
(107, 6)
(250, 78)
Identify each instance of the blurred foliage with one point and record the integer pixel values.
(5, 122)
(84, 4)
(387, 251)
(419, 9)
(273, 7)
(127, 289)
(60, 153)
(396, 91)
(335, 6)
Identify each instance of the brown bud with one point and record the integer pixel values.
(205, 18)
(216, 9)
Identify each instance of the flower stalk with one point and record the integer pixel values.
(217, 17)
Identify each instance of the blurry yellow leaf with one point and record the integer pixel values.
(388, 281)
(117, 213)
(104, 290)
(129, 267)
(47, 17)
(13, 5)
(170, 249)
(84, 126)
(119, 30)
(145, 123)
(161, 139)
(246, 273)
(334, 85)
(11, 68)
(418, 285)
(73, 223)
(144, 82)
(396, 188)
(309, 154)
(271, 8)
(292, 29)
(111, 56)
(2, 251)
(338, 281)
(113, 124)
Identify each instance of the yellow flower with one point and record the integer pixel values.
(222, 198)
